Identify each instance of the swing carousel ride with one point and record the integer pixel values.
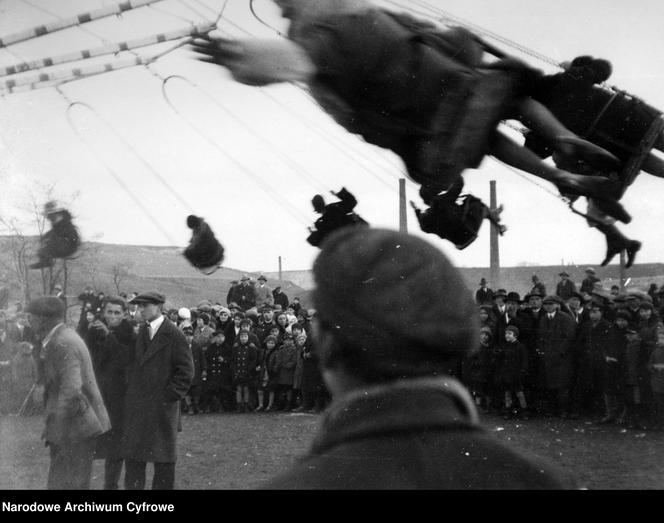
(107, 98)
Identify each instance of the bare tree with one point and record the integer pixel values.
(19, 249)
(120, 271)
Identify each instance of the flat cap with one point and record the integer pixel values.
(261, 277)
(513, 296)
(385, 296)
(563, 274)
(149, 297)
(552, 299)
(46, 306)
(590, 270)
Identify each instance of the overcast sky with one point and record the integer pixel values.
(249, 159)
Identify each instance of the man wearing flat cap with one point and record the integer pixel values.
(565, 287)
(74, 409)
(159, 377)
(246, 294)
(387, 333)
(588, 283)
(554, 358)
(263, 292)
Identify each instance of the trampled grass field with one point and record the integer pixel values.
(240, 451)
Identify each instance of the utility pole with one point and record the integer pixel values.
(403, 217)
(280, 268)
(494, 258)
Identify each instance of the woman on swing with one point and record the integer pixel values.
(406, 85)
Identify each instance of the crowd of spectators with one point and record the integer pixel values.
(588, 353)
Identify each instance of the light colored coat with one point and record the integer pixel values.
(74, 407)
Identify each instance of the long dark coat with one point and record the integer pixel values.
(111, 356)
(159, 377)
(554, 350)
(594, 343)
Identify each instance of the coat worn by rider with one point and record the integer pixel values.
(456, 222)
(335, 215)
(415, 89)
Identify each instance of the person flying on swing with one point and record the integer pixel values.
(409, 86)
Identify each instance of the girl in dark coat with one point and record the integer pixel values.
(512, 370)
(219, 386)
(244, 365)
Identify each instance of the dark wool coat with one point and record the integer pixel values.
(554, 350)
(244, 362)
(286, 361)
(111, 356)
(413, 435)
(159, 377)
(565, 289)
(220, 375)
(594, 343)
(513, 365)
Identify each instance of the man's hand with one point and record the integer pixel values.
(100, 327)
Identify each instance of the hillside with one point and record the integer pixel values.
(164, 268)
(144, 268)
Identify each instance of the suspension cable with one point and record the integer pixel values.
(110, 170)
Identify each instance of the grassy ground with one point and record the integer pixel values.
(239, 451)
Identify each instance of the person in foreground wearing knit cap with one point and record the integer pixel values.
(393, 317)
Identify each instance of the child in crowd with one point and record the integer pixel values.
(474, 370)
(633, 405)
(244, 366)
(300, 339)
(270, 372)
(193, 397)
(286, 361)
(219, 385)
(512, 370)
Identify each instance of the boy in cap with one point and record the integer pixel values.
(512, 371)
(397, 419)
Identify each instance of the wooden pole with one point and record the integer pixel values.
(494, 259)
(403, 217)
(280, 268)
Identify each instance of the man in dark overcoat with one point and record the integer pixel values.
(159, 377)
(398, 419)
(566, 287)
(553, 349)
(595, 339)
(111, 341)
